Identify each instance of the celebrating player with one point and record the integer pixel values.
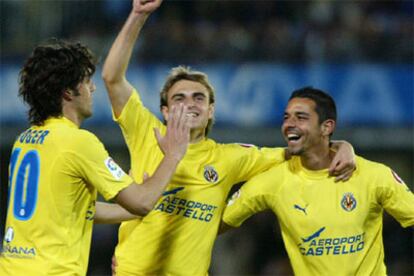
(327, 229)
(177, 237)
(56, 169)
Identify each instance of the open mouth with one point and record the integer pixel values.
(191, 114)
(293, 138)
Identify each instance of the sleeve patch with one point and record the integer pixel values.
(113, 168)
(399, 180)
(246, 145)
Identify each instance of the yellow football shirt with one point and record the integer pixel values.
(177, 237)
(55, 172)
(328, 228)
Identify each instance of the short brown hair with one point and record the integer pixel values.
(185, 73)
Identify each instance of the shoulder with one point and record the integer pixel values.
(83, 135)
(365, 166)
(82, 140)
(238, 148)
(377, 173)
(267, 181)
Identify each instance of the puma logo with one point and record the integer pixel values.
(300, 208)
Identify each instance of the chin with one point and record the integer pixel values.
(295, 151)
(197, 125)
(87, 115)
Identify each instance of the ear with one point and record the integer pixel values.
(164, 111)
(328, 127)
(68, 95)
(211, 109)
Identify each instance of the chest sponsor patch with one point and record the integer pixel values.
(319, 244)
(348, 202)
(173, 203)
(113, 168)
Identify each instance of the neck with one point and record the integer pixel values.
(318, 159)
(72, 115)
(196, 135)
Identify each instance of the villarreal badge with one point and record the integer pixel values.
(348, 202)
(210, 174)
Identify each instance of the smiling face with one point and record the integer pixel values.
(196, 97)
(301, 128)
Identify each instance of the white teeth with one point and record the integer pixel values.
(293, 137)
(191, 115)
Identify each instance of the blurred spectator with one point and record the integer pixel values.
(226, 31)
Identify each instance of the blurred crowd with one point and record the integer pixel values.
(225, 31)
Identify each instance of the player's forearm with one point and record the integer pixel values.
(341, 144)
(110, 213)
(117, 61)
(140, 199)
(154, 186)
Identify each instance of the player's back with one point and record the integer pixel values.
(50, 207)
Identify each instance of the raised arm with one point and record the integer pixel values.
(140, 199)
(116, 63)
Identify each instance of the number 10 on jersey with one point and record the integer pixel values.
(24, 182)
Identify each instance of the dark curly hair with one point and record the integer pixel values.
(52, 68)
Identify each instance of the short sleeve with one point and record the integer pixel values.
(253, 197)
(88, 158)
(395, 196)
(253, 161)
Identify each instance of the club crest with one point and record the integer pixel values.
(210, 174)
(348, 202)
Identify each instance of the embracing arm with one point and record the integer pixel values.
(137, 200)
(116, 63)
(111, 213)
(343, 165)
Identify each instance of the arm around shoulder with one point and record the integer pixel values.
(110, 213)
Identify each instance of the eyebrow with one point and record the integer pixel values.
(195, 94)
(302, 113)
(177, 95)
(298, 113)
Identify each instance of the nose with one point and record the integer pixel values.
(189, 102)
(289, 122)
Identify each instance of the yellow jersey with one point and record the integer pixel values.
(328, 228)
(55, 172)
(177, 236)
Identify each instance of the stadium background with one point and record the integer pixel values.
(256, 53)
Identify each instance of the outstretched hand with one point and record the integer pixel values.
(145, 6)
(175, 142)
